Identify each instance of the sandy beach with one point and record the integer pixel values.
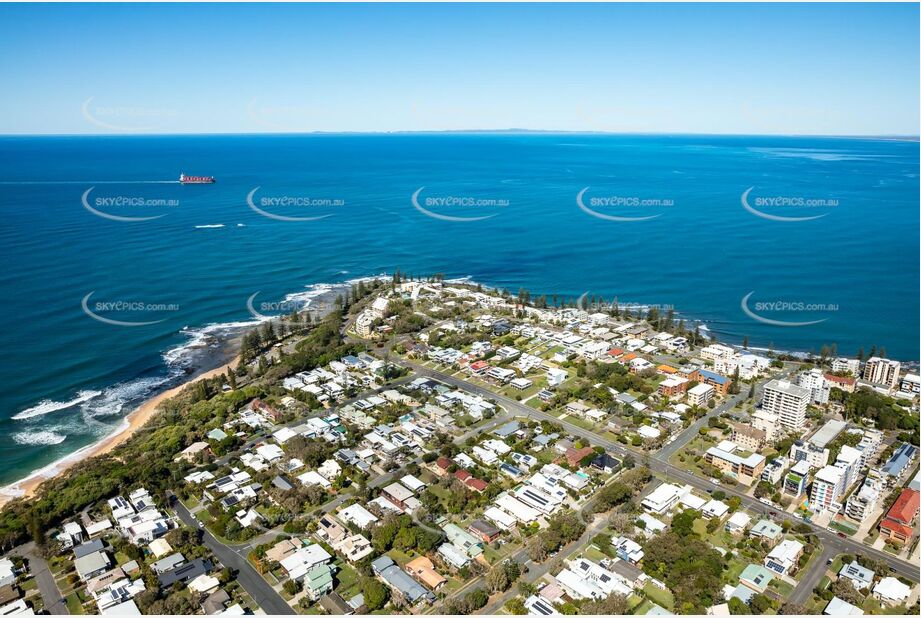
(136, 419)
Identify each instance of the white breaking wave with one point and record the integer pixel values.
(212, 225)
(38, 437)
(92, 404)
(178, 357)
(47, 406)
(115, 398)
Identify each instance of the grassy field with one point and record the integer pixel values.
(74, 606)
(347, 580)
(658, 596)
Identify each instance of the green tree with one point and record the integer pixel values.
(515, 606)
(737, 607)
(497, 579)
(683, 522)
(375, 593)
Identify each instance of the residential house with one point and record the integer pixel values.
(403, 586)
(890, 591)
(898, 524)
(860, 577)
(784, 557)
(424, 571)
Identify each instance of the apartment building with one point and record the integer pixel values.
(849, 365)
(813, 455)
(827, 487)
(819, 389)
(882, 371)
(794, 483)
(788, 401)
(747, 437)
(773, 470)
(768, 423)
(862, 502)
(911, 384)
(700, 395)
(746, 470)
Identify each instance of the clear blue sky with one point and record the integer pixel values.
(774, 68)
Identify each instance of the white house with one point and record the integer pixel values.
(358, 515)
(738, 523)
(783, 558)
(304, 559)
(663, 498)
(891, 591)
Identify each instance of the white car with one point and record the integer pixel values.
(715, 481)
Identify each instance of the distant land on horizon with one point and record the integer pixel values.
(509, 131)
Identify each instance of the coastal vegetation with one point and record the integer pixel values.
(148, 458)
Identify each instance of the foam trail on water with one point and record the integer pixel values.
(38, 438)
(48, 406)
(89, 182)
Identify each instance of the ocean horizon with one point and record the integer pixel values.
(122, 282)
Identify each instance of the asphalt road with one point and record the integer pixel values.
(829, 539)
(693, 430)
(812, 577)
(261, 592)
(51, 594)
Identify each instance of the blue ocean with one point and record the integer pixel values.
(119, 281)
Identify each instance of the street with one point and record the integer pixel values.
(813, 576)
(54, 600)
(828, 538)
(259, 589)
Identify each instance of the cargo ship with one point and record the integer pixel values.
(195, 180)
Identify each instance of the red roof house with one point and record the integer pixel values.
(477, 485)
(898, 522)
(574, 456)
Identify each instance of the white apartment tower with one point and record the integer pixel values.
(850, 365)
(882, 371)
(818, 386)
(788, 401)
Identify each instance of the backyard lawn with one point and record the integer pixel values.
(658, 596)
